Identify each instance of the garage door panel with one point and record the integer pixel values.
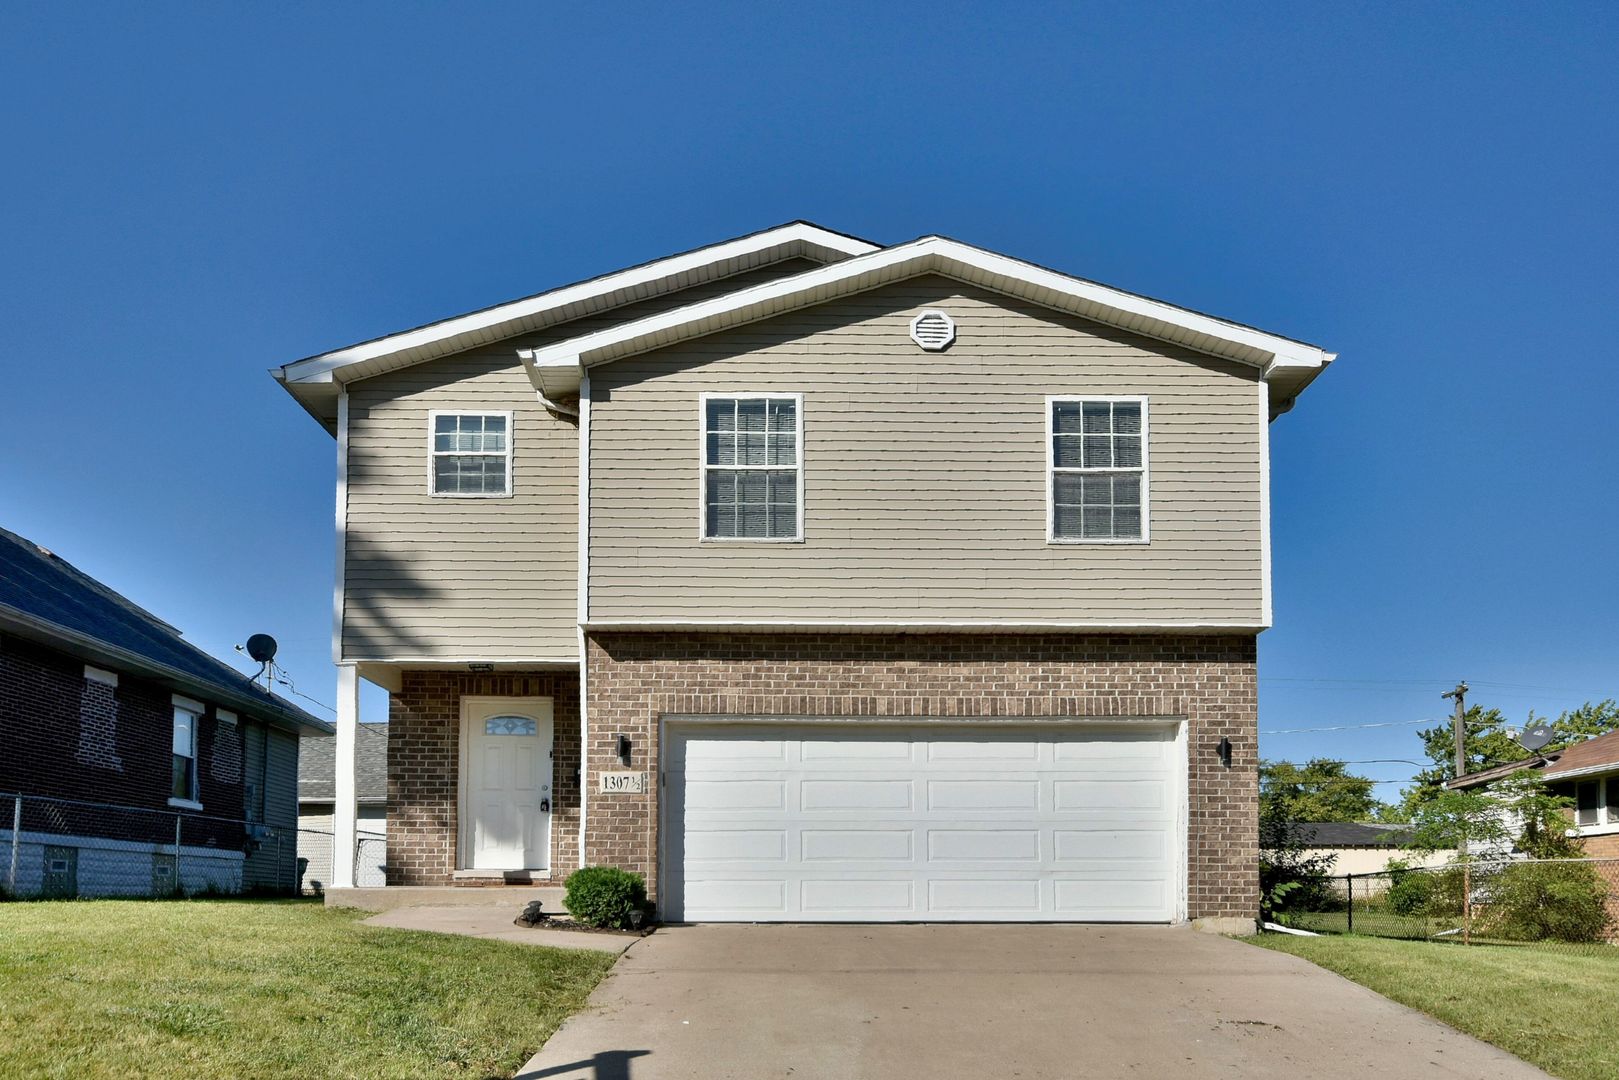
(855, 795)
(997, 895)
(855, 898)
(735, 794)
(1110, 795)
(735, 845)
(857, 845)
(1114, 897)
(976, 750)
(1114, 746)
(1074, 845)
(947, 795)
(825, 822)
(697, 756)
(854, 749)
(984, 845)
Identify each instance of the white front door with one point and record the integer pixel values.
(506, 783)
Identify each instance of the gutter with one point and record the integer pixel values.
(258, 708)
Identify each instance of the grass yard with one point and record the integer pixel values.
(245, 988)
(1555, 1009)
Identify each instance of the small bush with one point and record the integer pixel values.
(604, 896)
(1551, 901)
(1410, 891)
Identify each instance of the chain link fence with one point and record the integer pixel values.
(1546, 903)
(67, 848)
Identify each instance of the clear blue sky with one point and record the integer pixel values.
(194, 193)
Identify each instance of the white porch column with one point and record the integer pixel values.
(344, 807)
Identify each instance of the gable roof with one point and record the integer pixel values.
(1287, 365)
(1597, 754)
(315, 381)
(317, 768)
(1330, 834)
(47, 599)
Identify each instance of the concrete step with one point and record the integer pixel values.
(393, 897)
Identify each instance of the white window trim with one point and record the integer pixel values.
(195, 709)
(1607, 822)
(703, 466)
(433, 453)
(1051, 470)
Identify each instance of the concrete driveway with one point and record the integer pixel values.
(959, 1001)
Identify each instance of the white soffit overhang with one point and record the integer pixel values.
(316, 381)
(1287, 365)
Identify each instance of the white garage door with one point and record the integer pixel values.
(870, 823)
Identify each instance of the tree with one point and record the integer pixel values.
(1319, 790)
(1491, 742)
(1290, 878)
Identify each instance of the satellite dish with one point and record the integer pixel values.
(261, 647)
(1530, 738)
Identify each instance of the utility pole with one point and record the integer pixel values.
(1459, 726)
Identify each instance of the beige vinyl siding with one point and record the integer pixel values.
(472, 579)
(925, 473)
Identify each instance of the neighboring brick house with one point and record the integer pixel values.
(816, 580)
(317, 789)
(124, 741)
(1587, 774)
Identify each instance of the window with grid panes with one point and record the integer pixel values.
(751, 468)
(1098, 482)
(471, 454)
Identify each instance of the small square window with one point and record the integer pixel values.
(470, 454)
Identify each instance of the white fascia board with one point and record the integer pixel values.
(555, 368)
(1574, 774)
(795, 237)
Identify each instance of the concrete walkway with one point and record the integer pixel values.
(495, 923)
(1024, 1002)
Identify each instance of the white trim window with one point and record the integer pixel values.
(1596, 802)
(752, 467)
(469, 454)
(183, 783)
(1096, 457)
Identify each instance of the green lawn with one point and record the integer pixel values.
(241, 988)
(1555, 1009)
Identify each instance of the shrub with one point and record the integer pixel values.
(1409, 892)
(1551, 901)
(604, 896)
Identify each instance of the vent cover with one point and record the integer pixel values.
(933, 330)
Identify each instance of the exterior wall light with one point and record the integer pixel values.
(624, 750)
(1224, 751)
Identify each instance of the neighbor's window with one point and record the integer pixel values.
(1596, 802)
(184, 784)
(751, 467)
(1098, 482)
(472, 454)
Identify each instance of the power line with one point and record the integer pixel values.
(1349, 727)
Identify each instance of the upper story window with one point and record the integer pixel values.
(751, 467)
(471, 454)
(183, 785)
(1097, 488)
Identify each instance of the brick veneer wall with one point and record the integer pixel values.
(636, 678)
(424, 743)
(50, 714)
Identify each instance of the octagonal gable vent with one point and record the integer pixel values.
(933, 330)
